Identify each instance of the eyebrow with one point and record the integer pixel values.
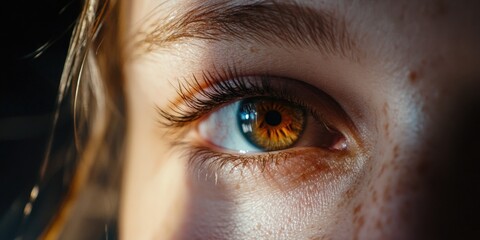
(268, 22)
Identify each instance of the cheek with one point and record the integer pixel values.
(149, 209)
(246, 213)
(240, 205)
(385, 201)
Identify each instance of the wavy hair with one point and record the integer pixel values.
(76, 195)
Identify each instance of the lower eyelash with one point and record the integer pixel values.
(285, 169)
(205, 158)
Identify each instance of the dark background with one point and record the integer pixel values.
(28, 87)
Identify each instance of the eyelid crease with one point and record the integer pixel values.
(199, 96)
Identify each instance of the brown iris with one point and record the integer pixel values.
(271, 124)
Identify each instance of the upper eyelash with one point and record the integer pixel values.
(220, 86)
(201, 95)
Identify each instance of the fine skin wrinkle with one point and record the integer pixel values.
(401, 76)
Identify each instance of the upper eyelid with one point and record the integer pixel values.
(180, 116)
(198, 96)
(190, 91)
(268, 22)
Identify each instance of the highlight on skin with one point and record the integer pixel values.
(299, 172)
(342, 52)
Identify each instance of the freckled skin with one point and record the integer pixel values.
(419, 125)
(412, 76)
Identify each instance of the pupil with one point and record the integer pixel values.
(273, 118)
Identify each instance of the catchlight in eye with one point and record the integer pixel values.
(270, 124)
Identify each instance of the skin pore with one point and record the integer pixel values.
(400, 74)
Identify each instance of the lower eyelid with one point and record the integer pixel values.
(285, 170)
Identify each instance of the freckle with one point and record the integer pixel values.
(370, 167)
(237, 186)
(387, 194)
(386, 125)
(370, 187)
(254, 50)
(395, 152)
(357, 209)
(358, 226)
(385, 109)
(374, 196)
(382, 170)
(349, 193)
(379, 225)
(386, 128)
(412, 77)
(259, 226)
(361, 221)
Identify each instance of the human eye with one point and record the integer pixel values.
(266, 125)
(262, 124)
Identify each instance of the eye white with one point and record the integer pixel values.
(222, 129)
